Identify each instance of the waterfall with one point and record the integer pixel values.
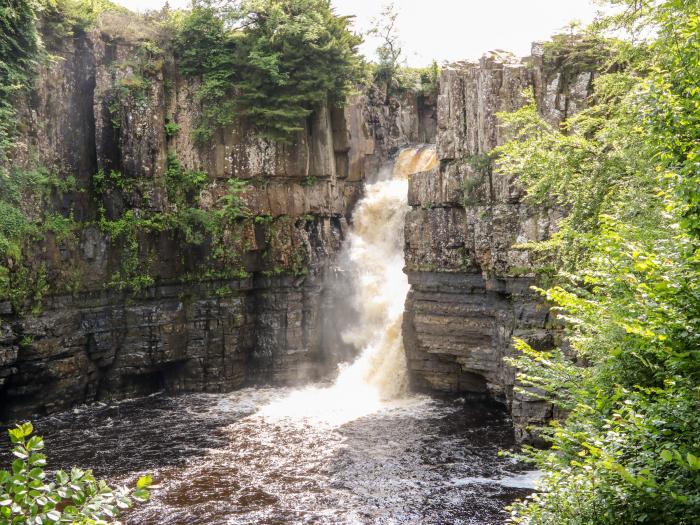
(374, 254)
(375, 251)
(360, 450)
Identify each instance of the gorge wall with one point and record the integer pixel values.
(127, 303)
(470, 279)
(136, 298)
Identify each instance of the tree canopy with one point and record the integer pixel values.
(270, 62)
(628, 287)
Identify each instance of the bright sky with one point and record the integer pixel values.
(449, 30)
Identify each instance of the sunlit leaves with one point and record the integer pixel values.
(626, 172)
(29, 497)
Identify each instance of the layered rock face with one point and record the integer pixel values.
(209, 318)
(470, 283)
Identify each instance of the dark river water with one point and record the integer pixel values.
(260, 456)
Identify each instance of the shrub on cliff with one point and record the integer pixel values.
(29, 496)
(270, 62)
(626, 169)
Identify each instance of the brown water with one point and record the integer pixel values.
(229, 459)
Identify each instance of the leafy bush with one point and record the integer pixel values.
(29, 496)
(430, 79)
(423, 81)
(183, 186)
(171, 129)
(570, 54)
(233, 207)
(629, 287)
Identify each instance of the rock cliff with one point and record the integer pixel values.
(132, 311)
(135, 299)
(470, 282)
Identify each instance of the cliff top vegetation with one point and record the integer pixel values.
(267, 61)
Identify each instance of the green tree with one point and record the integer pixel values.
(389, 51)
(29, 496)
(270, 62)
(629, 287)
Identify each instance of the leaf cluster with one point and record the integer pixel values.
(29, 495)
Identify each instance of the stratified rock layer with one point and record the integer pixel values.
(259, 316)
(470, 283)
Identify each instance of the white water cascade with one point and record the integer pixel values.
(374, 250)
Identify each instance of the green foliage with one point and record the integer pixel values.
(390, 69)
(476, 189)
(389, 52)
(628, 291)
(674, 111)
(183, 186)
(309, 181)
(220, 226)
(19, 47)
(25, 216)
(171, 129)
(270, 62)
(62, 19)
(423, 81)
(481, 162)
(232, 204)
(29, 495)
(263, 219)
(574, 53)
(63, 228)
(135, 82)
(430, 79)
(132, 275)
(285, 253)
(323, 60)
(104, 183)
